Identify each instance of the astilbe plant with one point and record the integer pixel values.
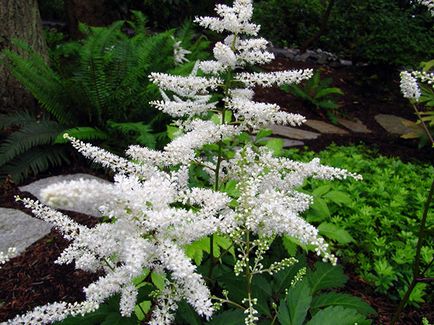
(155, 211)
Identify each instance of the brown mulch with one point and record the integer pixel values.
(32, 279)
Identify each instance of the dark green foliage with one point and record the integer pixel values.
(382, 216)
(288, 22)
(96, 89)
(29, 149)
(306, 301)
(317, 93)
(385, 32)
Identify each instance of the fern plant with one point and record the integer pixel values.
(96, 89)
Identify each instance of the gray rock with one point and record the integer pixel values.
(17, 229)
(293, 133)
(345, 63)
(393, 124)
(278, 52)
(325, 128)
(354, 126)
(36, 187)
(288, 143)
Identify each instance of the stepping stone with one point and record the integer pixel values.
(325, 128)
(18, 229)
(288, 143)
(36, 187)
(354, 126)
(393, 124)
(293, 133)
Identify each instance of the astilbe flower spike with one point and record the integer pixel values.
(152, 207)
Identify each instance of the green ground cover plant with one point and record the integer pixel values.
(381, 214)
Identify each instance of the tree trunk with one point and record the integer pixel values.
(18, 19)
(90, 12)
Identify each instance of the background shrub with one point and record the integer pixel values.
(373, 31)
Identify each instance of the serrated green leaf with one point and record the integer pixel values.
(338, 315)
(289, 245)
(187, 315)
(297, 304)
(276, 145)
(172, 132)
(145, 306)
(263, 133)
(326, 276)
(261, 289)
(334, 232)
(342, 299)
(321, 190)
(338, 197)
(318, 211)
(158, 280)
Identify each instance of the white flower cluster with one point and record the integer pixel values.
(179, 53)
(147, 231)
(409, 86)
(429, 4)
(54, 312)
(269, 203)
(6, 256)
(235, 20)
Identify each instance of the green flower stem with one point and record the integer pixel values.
(416, 264)
(428, 133)
(249, 274)
(230, 302)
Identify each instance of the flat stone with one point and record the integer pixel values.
(293, 133)
(354, 126)
(393, 124)
(324, 127)
(288, 143)
(36, 187)
(18, 229)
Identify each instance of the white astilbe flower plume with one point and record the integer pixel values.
(269, 203)
(154, 209)
(409, 86)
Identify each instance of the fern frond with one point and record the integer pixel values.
(94, 57)
(139, 23)
(82, 133)
(38, 78)
(35, 161)
(19, 118)
(29, 136)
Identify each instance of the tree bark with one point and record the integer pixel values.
(18, 19)
(90, 12)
